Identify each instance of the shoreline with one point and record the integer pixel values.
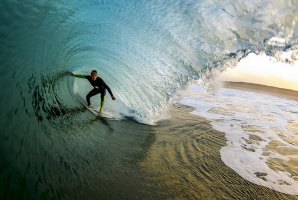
(248, 126)
(274, 91)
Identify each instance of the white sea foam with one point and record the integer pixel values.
(261, 132)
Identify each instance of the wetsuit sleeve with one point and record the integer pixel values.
(107, 87)
(80, 76)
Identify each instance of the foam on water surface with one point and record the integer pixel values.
(261, 132)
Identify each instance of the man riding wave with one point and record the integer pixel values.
(99, 87)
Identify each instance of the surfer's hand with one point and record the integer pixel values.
(114, 98)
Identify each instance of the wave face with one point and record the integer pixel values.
(145, 51)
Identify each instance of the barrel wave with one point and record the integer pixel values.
(146, 51)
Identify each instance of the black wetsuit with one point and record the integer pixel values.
(99, 87)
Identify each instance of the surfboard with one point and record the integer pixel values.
(97, 113)
(99, 116)
(93, 110)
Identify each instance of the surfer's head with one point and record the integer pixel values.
(94, 75)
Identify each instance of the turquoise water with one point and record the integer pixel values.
(146, 51)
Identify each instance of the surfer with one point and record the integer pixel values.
(99, 87)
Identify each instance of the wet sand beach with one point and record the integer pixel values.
(279, 92)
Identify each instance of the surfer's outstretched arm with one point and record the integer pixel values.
(77, 75)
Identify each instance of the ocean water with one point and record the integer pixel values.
(51, 147)
(261, 132)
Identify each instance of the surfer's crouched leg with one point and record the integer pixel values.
(102, 100)
(90, 94)
(101, 105)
